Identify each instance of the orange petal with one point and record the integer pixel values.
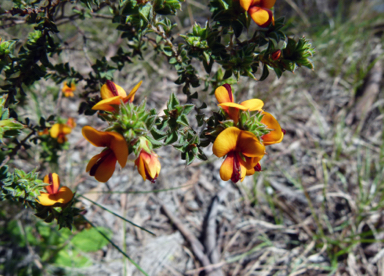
(224, 94)
(253, 104)
(106, 104)
(131, 95)
(261, 16)
(226, 141)
(139, 162)
(249, 145)
(119, 147)
(276, 135)
(58, 129)
(268, 4)
(54, 181)
(63, 196)
(111, 90)
(102, 165)
(95, 137)
(245, 4)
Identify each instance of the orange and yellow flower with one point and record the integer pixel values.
(59, 132)
(148, 165)
(112, 94)
(242, 150)
(54, 195)
(259, 10)
(225, 98)
(68, 91)
(102, 165)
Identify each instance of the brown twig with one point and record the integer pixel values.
(196, 246)
(210, 239)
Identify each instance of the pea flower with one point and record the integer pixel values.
(148, 165)
(259, 10)
(225, 98)
(54, 195)
(240, 147)
(113, 94)
(102, 165)
(59, 132)
(68, 91)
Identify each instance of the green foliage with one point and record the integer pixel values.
(20, 186)
(59, 248)
(9, 127)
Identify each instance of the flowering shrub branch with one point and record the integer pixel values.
(239, 132)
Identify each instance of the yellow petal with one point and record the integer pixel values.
(224, 94)
(268, 4)
(54, 181)
(234, 105)
(226, 141)
(110, 90)
(276, 135)
(261, 16)
(95, 137)
(153, 167)
(233, 168)
(106, 104)
(68, 94)
(253, 104)
(131, 95)
(249, 145)
(68, 89)
(245, 4)
(226, 168)
(63, 196)
(59, 129)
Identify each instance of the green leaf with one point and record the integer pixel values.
(265, 73)
(183, 120)
(173, 102)
(90, 240)
(172, 138)
(187, 108)
(71, 258)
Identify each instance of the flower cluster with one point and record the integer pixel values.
(60, 131)
(243, 143)
(122, 137)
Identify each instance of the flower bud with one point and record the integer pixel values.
(276, 55)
